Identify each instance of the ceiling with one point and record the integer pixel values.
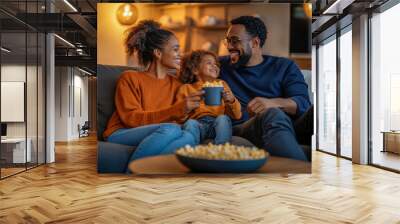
(332, 15)
(78, 27)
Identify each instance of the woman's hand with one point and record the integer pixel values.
(193, 101)
(228, 96)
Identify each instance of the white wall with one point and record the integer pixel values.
(33, 127)
(79, 117)
(62, 82)
(70, 83)
(15, 72)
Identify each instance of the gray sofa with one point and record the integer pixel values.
(112, 157)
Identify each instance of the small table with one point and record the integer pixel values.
(169, 164)
(391, 141)
(14, 152)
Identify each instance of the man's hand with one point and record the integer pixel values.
(228, 96)
(260, 104)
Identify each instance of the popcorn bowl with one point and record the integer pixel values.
(211, 161)
(221, 166)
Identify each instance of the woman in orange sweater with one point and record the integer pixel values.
(145, 101)
(206, 121)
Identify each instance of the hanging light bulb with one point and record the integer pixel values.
(127, 14)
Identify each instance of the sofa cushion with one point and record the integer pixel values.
(307, 78)
(107, 77)
(236, 140)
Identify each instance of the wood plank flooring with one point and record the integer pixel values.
(10, 171)
(70, 191)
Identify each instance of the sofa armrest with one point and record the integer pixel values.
(112, 157)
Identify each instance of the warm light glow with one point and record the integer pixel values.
(127, 14)
(64, 40)
(307, 7)
(70, 5)
(84, 71)
(5, 50)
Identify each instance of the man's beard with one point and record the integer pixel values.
(243, 60)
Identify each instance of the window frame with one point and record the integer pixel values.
(378, 10)
(333, 37)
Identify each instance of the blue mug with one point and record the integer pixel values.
(213, 95)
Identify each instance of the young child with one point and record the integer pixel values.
(206, 121)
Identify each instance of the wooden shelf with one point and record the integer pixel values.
(216, 27)
(303, 62)
(176, 28)
(183, 28)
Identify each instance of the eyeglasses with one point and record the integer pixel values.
(235, 41)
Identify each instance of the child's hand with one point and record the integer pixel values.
(228, 96)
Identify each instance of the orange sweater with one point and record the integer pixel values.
(233, 110)
(141, 99)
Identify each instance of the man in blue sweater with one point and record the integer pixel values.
(271, 90)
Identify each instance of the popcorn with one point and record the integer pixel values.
(213, 84)
(222, 152)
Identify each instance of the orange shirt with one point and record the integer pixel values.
(233, 110)
(141, 99)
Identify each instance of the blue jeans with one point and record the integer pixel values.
(217, 128)
(152, 140)
(273, 131)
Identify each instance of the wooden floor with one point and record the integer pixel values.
(70, 191)
(5, 172)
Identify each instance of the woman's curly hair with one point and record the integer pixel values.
(190, 62)
(144, 38)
